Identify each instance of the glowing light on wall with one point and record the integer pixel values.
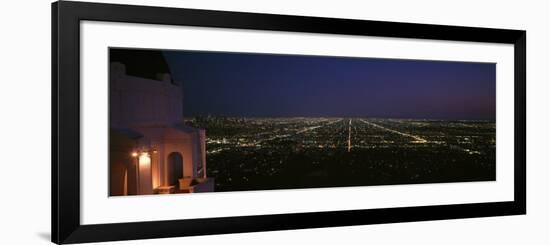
(144, 176)
(144, 160)
(143, 163)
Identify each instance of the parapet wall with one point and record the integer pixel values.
(136, 101)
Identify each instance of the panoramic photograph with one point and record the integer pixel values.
(184, 121)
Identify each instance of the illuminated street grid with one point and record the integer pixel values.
(281, 153)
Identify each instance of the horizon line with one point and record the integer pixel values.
(351, 117)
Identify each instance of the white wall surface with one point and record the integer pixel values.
(25, 121)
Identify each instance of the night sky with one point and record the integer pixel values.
(265, 85)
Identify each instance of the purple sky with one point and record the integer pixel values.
(258, 85)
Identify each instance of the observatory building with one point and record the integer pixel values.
(151, 151)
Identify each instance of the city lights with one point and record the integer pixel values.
(253, 153)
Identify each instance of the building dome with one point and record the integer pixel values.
(142, 63)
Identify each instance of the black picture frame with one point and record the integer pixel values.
(66, 18)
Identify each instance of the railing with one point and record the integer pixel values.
(196, 185)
